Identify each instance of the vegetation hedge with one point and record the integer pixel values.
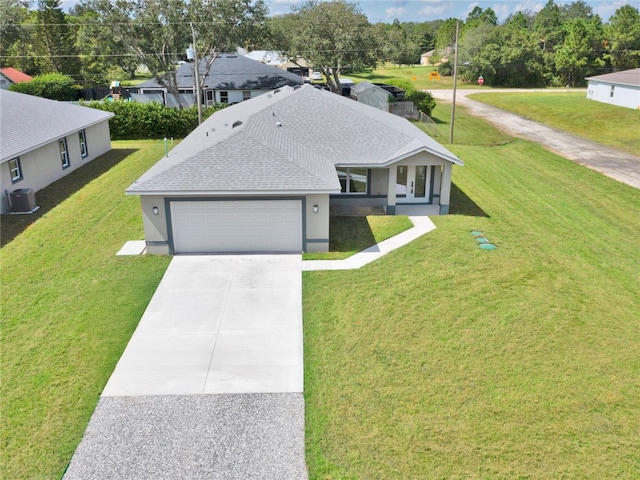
(51, 85)
(135, 120)
(422, 100)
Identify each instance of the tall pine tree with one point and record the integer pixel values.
(55, 40)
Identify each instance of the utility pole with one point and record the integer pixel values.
(455, 83)
(196, 73)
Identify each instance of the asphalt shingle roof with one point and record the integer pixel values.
(626, 77)
(28, 122)
(290, 140)
(233, 72)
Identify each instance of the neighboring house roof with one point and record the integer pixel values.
(232, 72)
(16, 76)
(269, 144)
(267, 56)
(363, 86)
(625, 77)
(430, 53)
(28, 122)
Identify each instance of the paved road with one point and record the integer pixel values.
(613, 163)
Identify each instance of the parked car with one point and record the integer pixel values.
(316, 76)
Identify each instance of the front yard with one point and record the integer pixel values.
(445, 361)
(439, 360)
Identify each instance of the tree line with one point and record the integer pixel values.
(102, 40)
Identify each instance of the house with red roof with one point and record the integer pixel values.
(9, 76)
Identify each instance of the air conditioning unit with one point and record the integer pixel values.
(23, 200)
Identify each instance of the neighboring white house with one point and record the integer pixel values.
(43, 140)
(260, 176)
(618, 88)
(231, 78)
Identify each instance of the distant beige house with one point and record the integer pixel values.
(427, 58)
(618, 88)
(42, 141)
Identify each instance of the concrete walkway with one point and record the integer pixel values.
(210, 384)
(421, 226)
(621, 166)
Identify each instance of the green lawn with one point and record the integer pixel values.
(617, 127)
(350, 234)
(441, 360)
(69, 306)
(417, 74)
(437, 361)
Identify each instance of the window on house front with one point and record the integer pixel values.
(64, 153)
(246, 95)
(15, 169)
(82, 137)
(224, 97)
(353, 181)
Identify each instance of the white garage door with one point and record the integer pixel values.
(237, 226)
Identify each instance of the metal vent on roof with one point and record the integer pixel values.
(236, 124)
(276, 91)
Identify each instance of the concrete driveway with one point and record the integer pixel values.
(613, 163)
(218, 324)
(210, 384)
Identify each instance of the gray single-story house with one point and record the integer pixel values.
(43, 140)
(232, 78)
(260, 176)
(618, 88)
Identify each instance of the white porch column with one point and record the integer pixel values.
(391, 191)
(445, 189)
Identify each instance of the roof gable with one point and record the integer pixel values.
(28, 122)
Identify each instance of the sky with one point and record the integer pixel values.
(426, 10)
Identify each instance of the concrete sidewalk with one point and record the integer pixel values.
(613, 163)
(421, 226)
(210, 384)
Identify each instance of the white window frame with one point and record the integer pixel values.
(246, 95)
(347, 179)
(82, 138)
(15, 169)
(226, 97)
(64, 153)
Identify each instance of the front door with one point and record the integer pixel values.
(411, 183)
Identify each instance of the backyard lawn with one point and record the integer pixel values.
(442, 360)
(572, 112)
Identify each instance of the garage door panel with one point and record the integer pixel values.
(237, 226)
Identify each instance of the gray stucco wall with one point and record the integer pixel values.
(157, 237)
(43, 166)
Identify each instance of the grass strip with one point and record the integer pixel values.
(572, 112)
